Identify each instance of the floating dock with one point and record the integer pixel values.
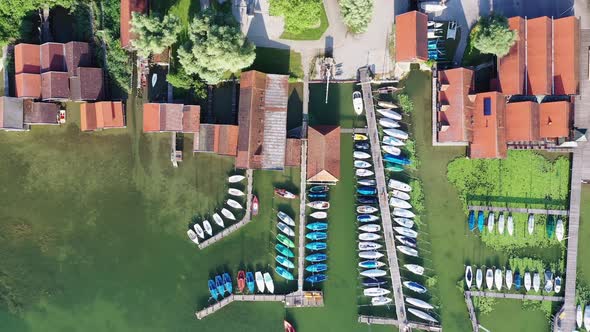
(518, 210)
(513, 296)
(390, 321)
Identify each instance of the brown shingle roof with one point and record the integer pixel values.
(191, 118)
(522, 121)
(78, 54)
(489, 137)
(323, 154)
(216, 138)
(28, 85)
(127, 7)
(53, 57)
(539, 56)
(293, 152)
(40, 113)
(411, 33)
(170, 117)
(566, 41)
(512, 66)
(55, 85)
(455, 87)
(26, 59)
(87, 84)
(554, 119)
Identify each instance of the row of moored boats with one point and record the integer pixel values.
(508, 225)
(285, 244)
(505, 278)
(222, 285)
(317, 235)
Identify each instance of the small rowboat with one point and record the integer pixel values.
(362, 146)
(587, 317)
(270, 286)
(373, 273)
(317, 226)
(396, 202)
(259, 281)
(397, 133)
(316, 278)
(219, 285)
(366, 209)
(375, 291)
(314, 258)
(403, 213)
(501, 224)
(234, 204)
(468, 276)
(366, 200)
(478, 278)
(389, 113)
(283, 250)
(369, 246)
(284, 261)
(367, 182)
(285, 229)
(393, 167)
(357, 102)
(397, 159)
(388, 123)
(360, 137)
(319, 189)
(371, 264)
(235, 192)
(319, 215)
(380, 300)
(509, 279)
(218, 220)
(236, 178)
(361, 155)
(199, 231)
(387, 89)
(316, 268)
(255, 205)
(284, 193)
(363, 172)
(213, 289)
(527, 281)
(398, 185)
(531, 223)
(393, 141)
(416, 269)
(510, 225)
(405, 222)
(491, 220)
(369, 237)
(227, 282)
(579, 316)
(374, 282)
(319, 205)
(288, 327)
(241, 281)
(362, 164)
(536, 282)
(490, 278)
(422, 315)
(366, 218)
(407, 241)
(391, 150)
(315, 236)
(406, 232)
(408, 251)
(371, 228)
(207, 227)
(227, 213)
(414, 286)
(386, 104)
(370, 254)
(419, 303)
(286, 219)
(559, 230)
(315, 246)
(285, 240)
(193, 236)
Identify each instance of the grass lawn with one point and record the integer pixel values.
(311, 34)
(183, 9)
(503, 318)
(338, 110)
(278, 61)
(583, 246)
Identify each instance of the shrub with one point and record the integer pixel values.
(300, 15)
(491, 34)
(356, 14)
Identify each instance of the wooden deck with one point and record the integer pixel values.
(390, 321)
(353, 131)
(518, 210)
(515, 296)
(302, 219)
(472, 315)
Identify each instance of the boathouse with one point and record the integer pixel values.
(411, 37)
(217, 138)
(323, 154)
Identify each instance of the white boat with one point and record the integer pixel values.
(370, 218)
(536, 282)
(508, 279)
(367, 182)
(397, 133)
(373, 273)
(548, 282)
(234, 204)
(227, 213)
(468, 276)
(388, 123)
(361, 155)
(393, 141)
(527, 281)
(375, 291)
(235, 192)
(435, 24)
(386, 104)
(405, 222)
(559, 230)
(498, 279)
(491, 222)
(357, 102)
(408, 251)
(531, 223)
(362, 164)
(365, 209)
(319, 215)
(478, 278)
(236, 178)
(285, 229)
(199, 231)
(154, 79)
(319, 205)
(372, 228)
(391, 150)
(557, 288)
(403, 213)
(396, 202)
(406, 241)
(510, 226)
(398, 185)
(369, 246)
(419, 303)
(370, 254)
(416, 269)
(380, 300)
(193, 236)
(432, 6)
(422, 315)
(406, 232)
(489, 278)
(363, 172)
(218, 220)
(579, 316)
(414, 286)
(389, 113)
(501, 224)
(207, 227)
(400, 194)
(270, 286)
(373, 263)
(286, 219)
(369, 237)
(587, 317)
(259, 281)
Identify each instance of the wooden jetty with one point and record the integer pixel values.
(353, 130)
(247, 218)
(472, 315)
(518, 210)
(302, 219)
(383, 199)
(391, 321)
(515, 296)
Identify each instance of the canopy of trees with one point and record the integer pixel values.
(215, 48)
(152, 35)
(492, 35)
(300, 15)
(356, 14)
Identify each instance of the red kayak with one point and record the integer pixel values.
(288, 326)
(241, 280)
(255, 206)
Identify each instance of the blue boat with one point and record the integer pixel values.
(366, 200)
(250, 283)
(316, 246)
(316, 268)
(317, 195)
(374, 282)
(316, 258)
(317, 226)
(284, 273)
(365, 190)
(480, 221)
(283, 250)
(314, 236)
(227, 283)
(396, 159)
(366, 218)
(362, 146)
(219, 285)
(471, 220)
(517, 281)
(212, 289)
(316, 278)
(319, 189)
(370, 264)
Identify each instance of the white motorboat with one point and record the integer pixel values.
(398, 185)
(270, 286)
(416, 269)
(406, 232)
(391, 150)
(361, 155)
(199, 231)
(508, 279)
(371, 254)
(207, 227)
(234, 204)
(397, 133)
(422, 315)
(227, 213)
(285, 229)
(510, 225)
(218, 220)
(491, 220)
(386, 104)
(557, 288)
(527, 281)
(236, 178)
(235, 192)
(357, 102)
(286, 218)
(579, 316)
(373, 273)
(400, 195)
(408, 251)
(478, 278)
(388, 123)
(369, 237)
(371, 228)
(389, 113)
(362, 164)
(501, 224)
(536, 282)
(319, 215)
(531, 223)
(393, 141)
(419, 303)
(587, 317)
(362, 246)
(259, 281)
(405, 222)
(559, 230)
(489, 278)
(362, 172)
(403, 213)
(366, 209)
(396, 202)
(375, 291)
(193, 236)
(367, 182)
(319, 205)
(498, 279)
(380, 300)
(468, 276)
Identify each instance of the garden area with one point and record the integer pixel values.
(304, 19)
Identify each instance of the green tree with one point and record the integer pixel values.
(215, 48)
(181, 80)
(492, 35)
(300, 15)
(152, 35)
(356, 14)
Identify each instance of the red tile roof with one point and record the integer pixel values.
(101, 115)
(512, 66)
(55, 86)
(191, 118)
(522, 121)
(53, 57)
(151, 117)
(323, 154)
(28, 85)
(127, 7)
(293, 152)
(40, 113)
(554, 119)
(216, 138)
(456, 107)
(169, 117)
(411, 33)
(566, 41)
(489, 138)
(539, 56)
(26, 59)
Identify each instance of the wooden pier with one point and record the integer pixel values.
(515, 296)
(390, 321)
(353, 131)
(302, 219)
(472, 315)
(383, 199)
(247, 218)
(518, 210)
